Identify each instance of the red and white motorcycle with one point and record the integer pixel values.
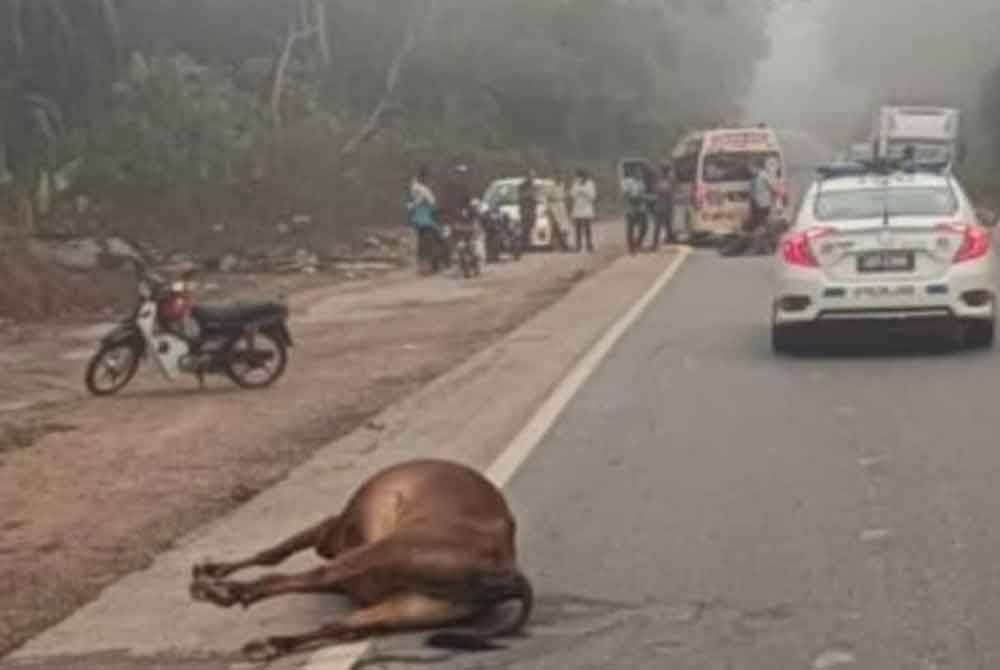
(246, 342)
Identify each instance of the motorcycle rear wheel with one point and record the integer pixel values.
(104, 361)
(243, 361)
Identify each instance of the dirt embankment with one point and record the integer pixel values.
(34, 288)
(92, 489)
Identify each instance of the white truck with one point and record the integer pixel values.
(935, 133)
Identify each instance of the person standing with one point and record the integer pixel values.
(456, 198)
(421, 207)
(559, 214)
(583, 196)
(527, 201)
(762, 193)
(636, 224)
(663, 209)
(456, 209)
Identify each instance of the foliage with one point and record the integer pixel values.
(587, 79)
(589, 76)
(171, 118)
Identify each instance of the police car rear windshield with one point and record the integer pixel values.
(845, 205)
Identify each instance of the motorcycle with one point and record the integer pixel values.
(503, 235)
(248, 343)
(761, 242)
(469, 245)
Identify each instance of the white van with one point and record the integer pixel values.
(935, 133)
(712, 173)
(714, 170)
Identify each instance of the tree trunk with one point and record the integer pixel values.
(291, 39)
(323, 32)
(372, 126)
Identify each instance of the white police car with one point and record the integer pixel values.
(877, 243)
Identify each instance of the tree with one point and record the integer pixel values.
(55, 64)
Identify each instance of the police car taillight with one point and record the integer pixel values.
(976, 242)
(796, 249)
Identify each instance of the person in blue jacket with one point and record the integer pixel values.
(422, 209)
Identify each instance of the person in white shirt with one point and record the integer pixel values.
(583, 196)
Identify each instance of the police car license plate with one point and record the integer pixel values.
(886, 261)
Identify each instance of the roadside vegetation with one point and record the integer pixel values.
(161, 116)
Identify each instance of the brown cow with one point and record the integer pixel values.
(423, 544)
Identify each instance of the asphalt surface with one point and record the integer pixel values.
(703, 504)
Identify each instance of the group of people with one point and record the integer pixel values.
(649, 203)
(579, 194)
(429, 216)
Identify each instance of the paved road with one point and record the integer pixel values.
(702, 504)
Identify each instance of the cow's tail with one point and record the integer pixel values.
(487, 591)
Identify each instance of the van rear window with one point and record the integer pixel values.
(735, 166)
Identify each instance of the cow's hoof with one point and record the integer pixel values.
(209, 570)
(217, 592)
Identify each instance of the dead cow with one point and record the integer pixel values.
(421, 545)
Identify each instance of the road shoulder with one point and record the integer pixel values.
(470, 414)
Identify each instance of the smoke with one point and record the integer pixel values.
(834, 61)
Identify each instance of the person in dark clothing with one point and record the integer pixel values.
(456, 197)
(636, 211)
(455, 205)
(527, 200)
(663, 209)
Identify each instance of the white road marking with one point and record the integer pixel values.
(344, 657)
(531, 435)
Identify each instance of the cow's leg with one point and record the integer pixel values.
(269, 557)
(391, 564)
(398, 613)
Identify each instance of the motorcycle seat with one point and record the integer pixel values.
(238, 313)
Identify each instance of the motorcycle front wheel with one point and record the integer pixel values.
(465, 261)
(256, 361)
(111, 369)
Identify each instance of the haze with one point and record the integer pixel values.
(834, 61)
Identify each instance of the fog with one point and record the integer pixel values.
(833, 61)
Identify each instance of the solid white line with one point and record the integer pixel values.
(504, 468)
(343, 657)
